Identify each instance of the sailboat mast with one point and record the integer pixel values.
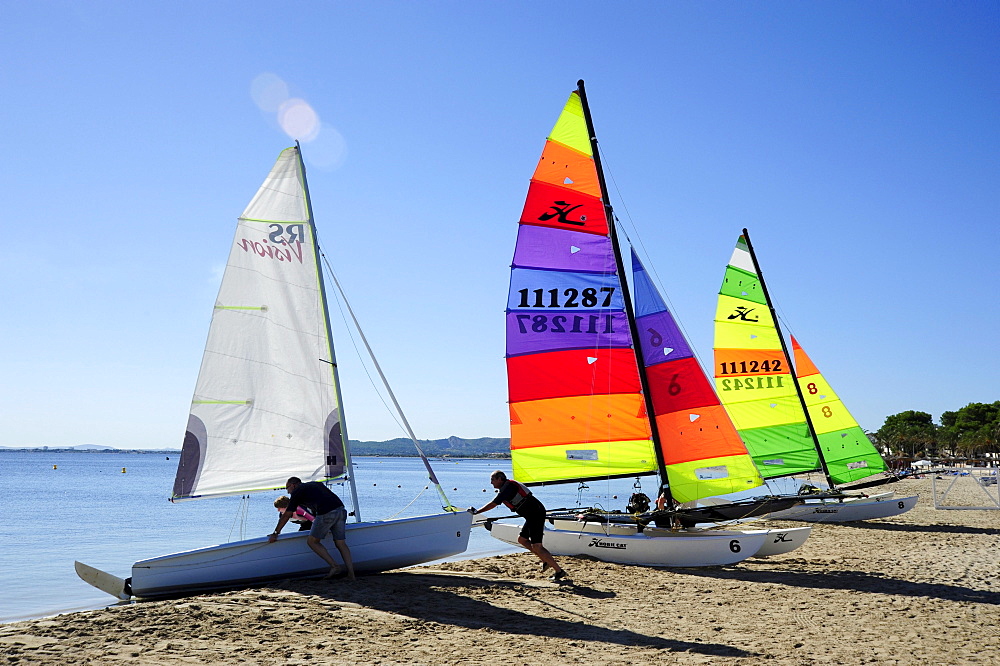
(788, 359)
(626, 296)
(329, 341)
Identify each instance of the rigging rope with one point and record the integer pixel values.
(651, 267)
(240, 518)
(399, 410)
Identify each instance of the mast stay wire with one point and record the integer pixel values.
(665, 293)
(402, 421)
(651, 268)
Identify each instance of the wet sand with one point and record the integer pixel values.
(920, 588)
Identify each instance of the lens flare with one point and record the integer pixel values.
(268, 92)
(328, 150)
(298, 119)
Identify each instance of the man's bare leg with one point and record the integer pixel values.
(345, 553)
(321, 550)
(545, 556)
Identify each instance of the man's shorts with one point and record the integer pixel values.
(534, 526)
(332, 522)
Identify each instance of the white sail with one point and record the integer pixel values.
(265, 406)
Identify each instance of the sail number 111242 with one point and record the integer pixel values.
(749, 367)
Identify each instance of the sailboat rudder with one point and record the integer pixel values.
(103, 581)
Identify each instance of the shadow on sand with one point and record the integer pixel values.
(851, 580)
(907, 527)
(439, 598)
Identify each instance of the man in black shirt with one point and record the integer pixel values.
(329, 516)
(519, 499)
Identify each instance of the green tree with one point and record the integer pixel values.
(974, 429)
(909, 434)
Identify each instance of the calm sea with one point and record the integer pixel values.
(110, 509)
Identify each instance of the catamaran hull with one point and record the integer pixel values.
(672, 549)
(777, 541)
(833, 511)
(375, 546)
(784, 540)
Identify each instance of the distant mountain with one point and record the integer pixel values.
(455, 447)
(84, 448)
(78, 447)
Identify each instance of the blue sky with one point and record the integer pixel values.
(857, 141)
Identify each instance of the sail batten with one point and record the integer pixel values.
(265, 405)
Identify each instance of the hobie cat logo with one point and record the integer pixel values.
(283, 243)
(598, 543)
(562, 209)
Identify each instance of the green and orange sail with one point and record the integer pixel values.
(578, 409)
(789, 424)
(753, 374)
(848, 454)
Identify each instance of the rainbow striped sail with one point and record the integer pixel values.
(577, 410)
(753, 374)
(848, 454)
(577, 406)
(701, 450)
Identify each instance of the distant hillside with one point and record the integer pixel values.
(456, 447)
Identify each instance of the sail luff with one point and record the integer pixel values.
(324, 305)
(702, 452)
(626, 296)
(788, 357)
(576, 405)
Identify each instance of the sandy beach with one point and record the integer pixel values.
(921, 588)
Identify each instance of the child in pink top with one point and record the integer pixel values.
(302, 517)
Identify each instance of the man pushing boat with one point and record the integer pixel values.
(330, 516)
(519, 499)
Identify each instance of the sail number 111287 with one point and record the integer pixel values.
(566, 298)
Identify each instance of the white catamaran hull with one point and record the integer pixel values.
(375, 546)
(834, 511)
(671, 549)
(777, 540)
(781, 541)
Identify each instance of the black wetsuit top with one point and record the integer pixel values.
(517, 497)
(315, 497)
